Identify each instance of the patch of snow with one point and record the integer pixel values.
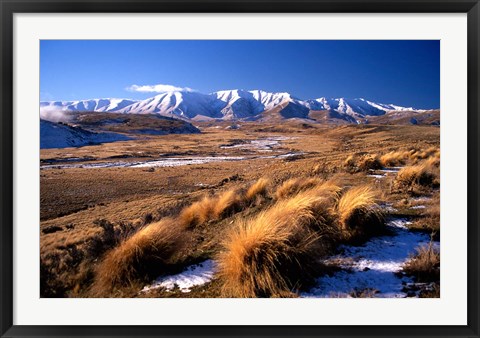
(266, 144)
(373, 265)
(194, 275)
(421, 199)
(175, 162)
(390, 169)
(166, 162)
(415, 207)
(388, 207)
(376, 176)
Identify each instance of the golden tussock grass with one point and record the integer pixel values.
(418, 155)
(359, 215)
(198, 212)
(224, 204)
(295, 185)
(425, 264)
(394, 158)
(412, 156)
(434, 160)
(271, 254)
(211, 208)
(369, 162)
(356, 163)
(258, 190)
(142, 255)
(415, 176)
(429, 220)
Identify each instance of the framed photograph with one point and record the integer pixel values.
(235, 168)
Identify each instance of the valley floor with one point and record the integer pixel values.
(95, 200)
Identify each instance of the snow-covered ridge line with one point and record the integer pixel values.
(229, 105)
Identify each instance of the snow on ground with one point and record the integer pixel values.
(175, 162)
(421, 199)
(390, 169)
(163, 162)
(376, 176)
(373, 265)
(166, 162)
(267, 144)
(418, 207)
(194, 275)
(388, 207)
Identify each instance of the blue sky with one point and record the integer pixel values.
(405, 73)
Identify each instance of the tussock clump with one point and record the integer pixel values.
(223, 205)
(228, 202)
(369, 162)
(198, 212)
(418, 155)
(142, 255)
(355, 163)
(413, 156)
(273, 253)
(424, 265)
(295, 185)
(417, 176)
(350, 163)
(257, 191)
(359, 216)
(434, 160)
(394, 158)
(212, 208)
(430, 219)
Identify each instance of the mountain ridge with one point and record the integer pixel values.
(235, 104)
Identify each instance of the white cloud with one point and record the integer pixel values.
(158, 88)
(54, 114)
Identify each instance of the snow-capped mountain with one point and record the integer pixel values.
(233, 105)
(98, 105)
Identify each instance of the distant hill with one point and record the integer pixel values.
(91, 128)
(60, 135)
(150, 124)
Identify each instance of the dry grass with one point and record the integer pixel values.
(424, 265)
(295, 185)
(359, 215)
(227, 203)
(198, 213)
(394, 158)
(258, 191)
(412, 178)
(224, 204)
(212, 208)
(412, 156)
(270, 255)
(147, 253)
(418, 155)
(356, 163)
(429, 220)
(369, 162)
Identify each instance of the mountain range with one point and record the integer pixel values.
(237, 104)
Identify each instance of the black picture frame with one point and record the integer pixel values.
(10, 7)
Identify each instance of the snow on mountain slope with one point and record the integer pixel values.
(98, 105)
(59, 135)
(176, 104)
(231, 105)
